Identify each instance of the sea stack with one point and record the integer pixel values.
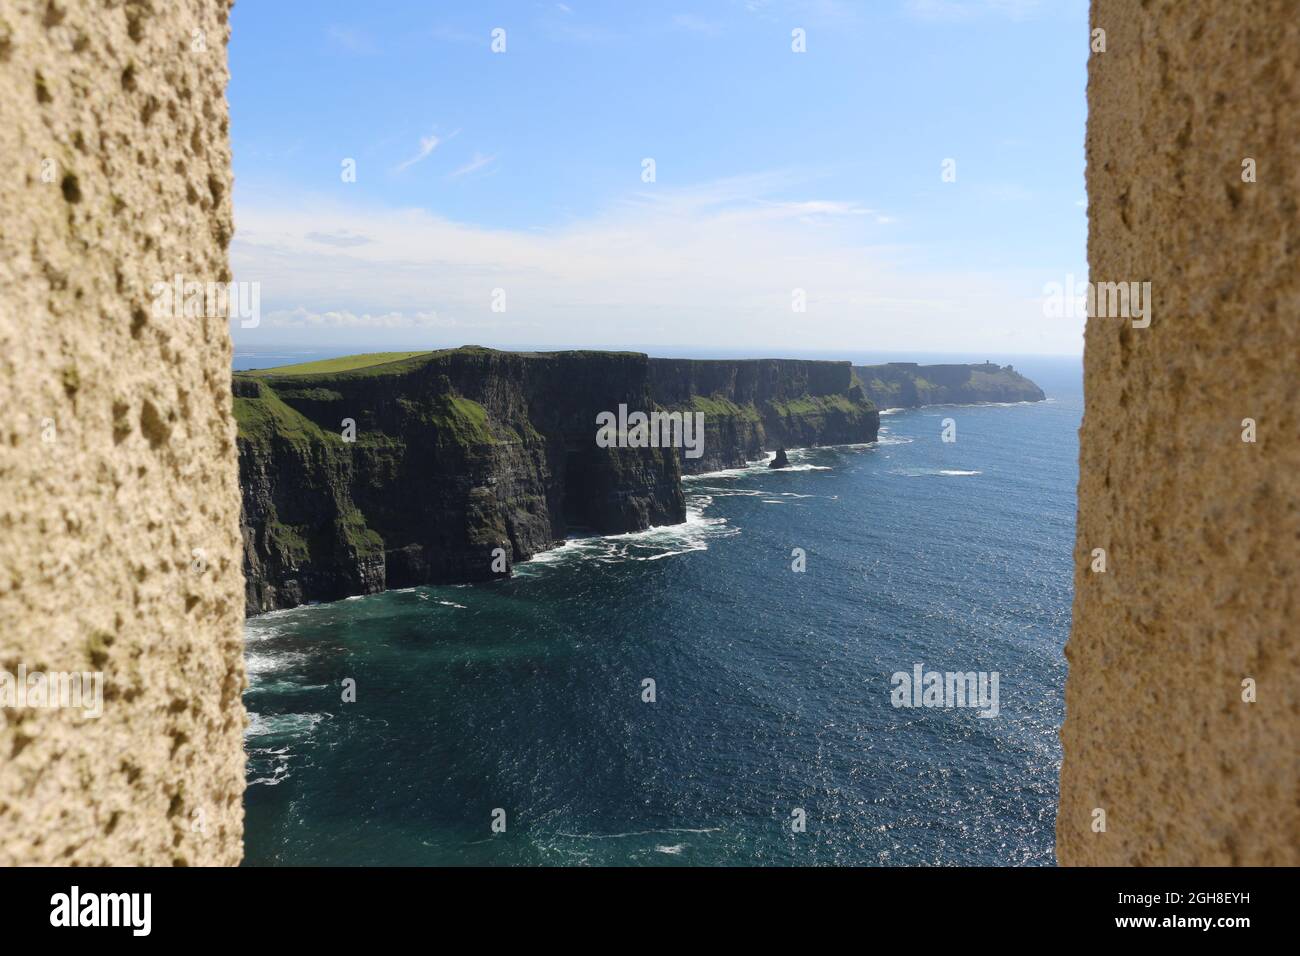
(780, 461)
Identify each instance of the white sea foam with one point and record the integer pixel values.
(636, 833)
(280, 725)
(652, 544)
(259, 663)
(932, 472)
(757, 493)
(285, 730)
(750, 468)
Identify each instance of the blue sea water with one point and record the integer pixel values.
(773, 690)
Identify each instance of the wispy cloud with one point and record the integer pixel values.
(475, 164)
(955, 11)
(711, 265)
(561, 25)
(350, 40)
(690, 23)
(821, 12)
(301, 318)
(455, 35)
(427, 145)
(338, 239)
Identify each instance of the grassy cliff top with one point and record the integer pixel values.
(907, 384)
(375, 362)
(385, 363)
(346, 363)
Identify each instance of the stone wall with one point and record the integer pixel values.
(119, 500)
(1200, 528)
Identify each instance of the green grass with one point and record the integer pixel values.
(288, 540)
(359, 537)
(310, 394)
(465, 420)
(815, 405)
(261, 418)
(346, 363)
(715, 406)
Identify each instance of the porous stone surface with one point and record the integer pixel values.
(119, 497)
(1199, 527)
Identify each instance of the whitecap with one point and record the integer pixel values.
(661, 541)
(932, 472)
(260, 663)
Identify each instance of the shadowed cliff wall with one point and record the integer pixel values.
(1199, 527)
(119, 502)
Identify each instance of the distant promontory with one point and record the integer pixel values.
(909, 385)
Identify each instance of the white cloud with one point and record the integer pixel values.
(690, 23)
(351, 41)
(302, 318)
(961, 10)
(475, 164)
(338, 239)
(821, 12)
(427, 145)
(714, 265)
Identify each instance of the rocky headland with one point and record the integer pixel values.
(399, 469)
(389, 471)
(909, 385)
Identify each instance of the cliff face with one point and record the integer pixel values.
(462, 452)
(759, 405)
(908, 385)
(456, 454)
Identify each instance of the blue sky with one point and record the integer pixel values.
(775, 171)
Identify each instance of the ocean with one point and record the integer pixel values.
(773, 737)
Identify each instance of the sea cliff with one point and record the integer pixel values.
(389, 471)
(753, 406)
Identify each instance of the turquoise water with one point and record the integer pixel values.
(772, 687)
